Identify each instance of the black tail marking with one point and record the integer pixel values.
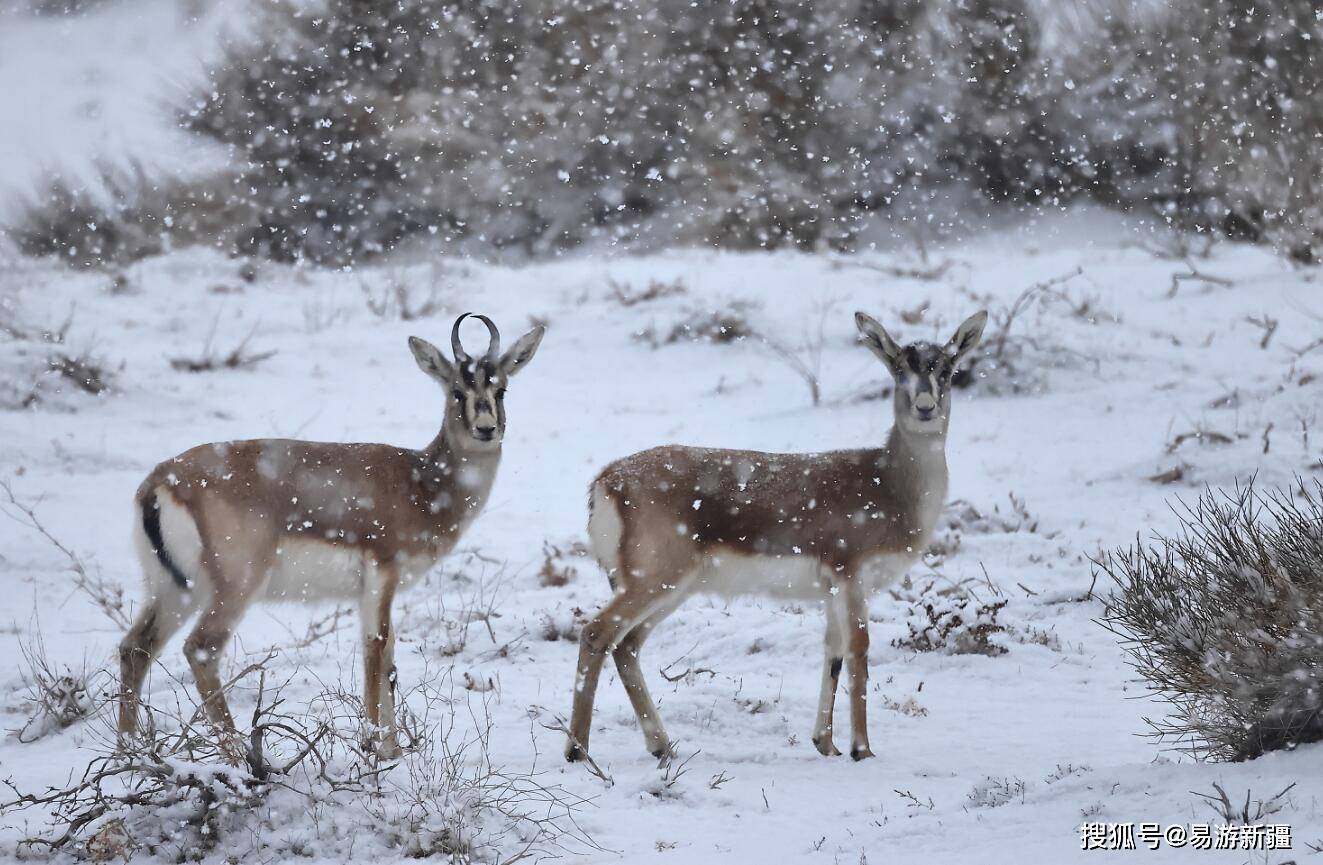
(151, 524)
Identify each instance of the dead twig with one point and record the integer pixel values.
(1194, 274)
(1021, 303)
(1267, 324)
(208, 361)
(106, 594)
(558, 725)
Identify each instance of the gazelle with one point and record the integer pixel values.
(837, 526)
(225, 525)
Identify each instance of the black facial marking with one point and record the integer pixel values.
(479, 391)
(924, 358)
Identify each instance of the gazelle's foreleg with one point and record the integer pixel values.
(856, 647)
(380, 582)
(833, 656)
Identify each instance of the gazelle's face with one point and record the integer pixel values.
(922, 371)
(477, 402)
(923, 387)
(475, 386)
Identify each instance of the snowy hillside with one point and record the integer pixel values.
(1113, 398)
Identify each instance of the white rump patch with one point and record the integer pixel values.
(605, 530)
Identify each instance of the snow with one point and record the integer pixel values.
(1124, 398)
(1107, 390)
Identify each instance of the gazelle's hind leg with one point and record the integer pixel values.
(833, 656)
(635, 603)
(238, 578)
(168, 604)
(156, 624)
(626, 656)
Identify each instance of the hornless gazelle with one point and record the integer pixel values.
(224, 525)
(837, 526)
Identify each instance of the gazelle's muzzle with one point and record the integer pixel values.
(925, 405)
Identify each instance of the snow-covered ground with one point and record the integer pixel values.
(1112, 374)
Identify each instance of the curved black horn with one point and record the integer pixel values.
(461, 356)
(493, 344)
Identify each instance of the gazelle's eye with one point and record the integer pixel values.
(458, 395)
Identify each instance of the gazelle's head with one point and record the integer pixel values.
(922, 371)
(475, 387)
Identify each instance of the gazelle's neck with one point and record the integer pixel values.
(443, 453)
(917, 461)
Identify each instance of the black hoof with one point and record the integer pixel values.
(825, 747)
(858, 754)
(574, 754)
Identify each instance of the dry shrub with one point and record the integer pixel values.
(962, 517)
(211, 359)
(562, 625)
(1016, 356)
(995, 792)
(560, 563)
(57, 696)
(626, 295)
(950, 619)
(1224, 620)
(723, 325)
(31, 380)
(180, 788)
(128, 218)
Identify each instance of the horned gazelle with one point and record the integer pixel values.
(668, 522)
(224, 525)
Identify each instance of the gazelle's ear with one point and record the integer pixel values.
(430, 360)
(967, 336)
(522, 351)
(877, 339)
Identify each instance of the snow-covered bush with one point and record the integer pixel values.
(183, 789)
(56, 696)
(995, 792)
(562, 624)
(728, 323)
(1220, 106)
(1224, 620)
(124, 219)
(948, 619)
(541, 124)
(561, 563)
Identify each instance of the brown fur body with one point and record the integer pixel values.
(225, 525)
(835, 526)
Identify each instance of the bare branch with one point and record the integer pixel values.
(106, 594)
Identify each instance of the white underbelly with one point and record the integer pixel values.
(790, 577)
(308, 570)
